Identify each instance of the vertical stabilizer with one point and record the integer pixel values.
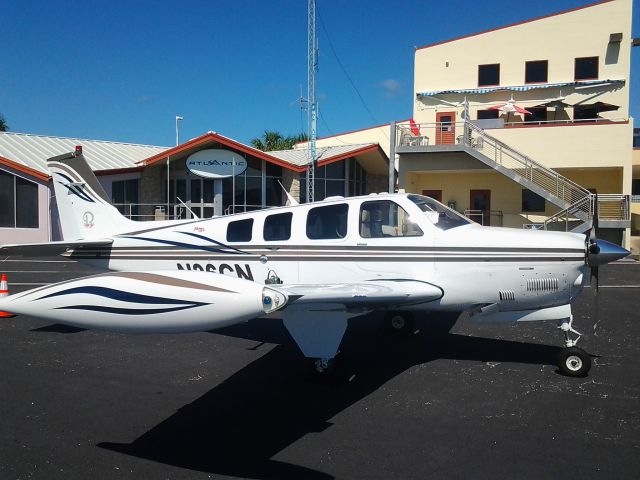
(84, 207)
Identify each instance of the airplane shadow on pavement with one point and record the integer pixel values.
(240, 425)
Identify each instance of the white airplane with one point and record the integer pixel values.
(316, 264)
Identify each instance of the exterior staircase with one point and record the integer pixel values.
(576, 203)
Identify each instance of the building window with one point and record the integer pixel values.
(273, 191)
(636, 138)
(330, 180)
(635, 187)
(124, 195)
(538, 114)
(536, 71)
(328, 222)
(357, 178)
(247, 188)
(586, 68)
(18, 202)
(532, 202)
(277, 227)
(385, 218)
(240, 231)
(488, 75)
(488, 114)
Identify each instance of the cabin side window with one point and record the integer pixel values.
(277, 227)
(325, 223)
(384, 218)
(240, 230)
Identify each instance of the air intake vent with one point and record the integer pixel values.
(507, 295)
(542, 284)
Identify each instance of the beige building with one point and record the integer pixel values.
(546, 105)
(635, 190)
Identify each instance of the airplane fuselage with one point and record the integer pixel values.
(472, 264)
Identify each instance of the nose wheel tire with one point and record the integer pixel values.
(398, 322)
(574, 362)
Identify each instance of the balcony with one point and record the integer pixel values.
(448, 137)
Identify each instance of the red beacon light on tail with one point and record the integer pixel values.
(78, 150)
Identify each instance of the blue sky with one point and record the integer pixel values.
(121, 70)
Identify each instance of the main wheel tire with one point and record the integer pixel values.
(322, 368)
(574, 362)
(399, 322)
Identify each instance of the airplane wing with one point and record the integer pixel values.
(365, 294)
(50, 248)
(149, 302)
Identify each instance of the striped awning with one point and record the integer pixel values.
(524, 88)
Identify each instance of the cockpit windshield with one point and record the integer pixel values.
(440, 215)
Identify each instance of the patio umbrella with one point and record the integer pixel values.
(604, 107)
(556, 103)
(414, 127)
(509, 107)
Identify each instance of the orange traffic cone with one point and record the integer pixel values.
(4, 292)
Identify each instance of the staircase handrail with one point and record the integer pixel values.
(623, 202)
(525, 160)
(565, 212)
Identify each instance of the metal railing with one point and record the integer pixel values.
(240, 208)
(565, 121)
(566, 217)
(611, 207)
(433, 133)
(567, 193)
(614, 207)
(158, 211)
(146, 211)
(493, 217)
(576, 202)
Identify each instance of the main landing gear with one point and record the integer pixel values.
(323, 367)
(572, 361)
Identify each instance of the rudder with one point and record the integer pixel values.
(84, 207)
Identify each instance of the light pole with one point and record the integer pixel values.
(178, 118)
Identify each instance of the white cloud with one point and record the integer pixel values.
(391, 87)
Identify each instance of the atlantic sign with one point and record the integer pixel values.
(214, 163)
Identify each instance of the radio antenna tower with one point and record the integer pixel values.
(312, 113)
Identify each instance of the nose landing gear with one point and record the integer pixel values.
(572, 361)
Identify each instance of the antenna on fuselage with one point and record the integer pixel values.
(292, 201)
(188, 208)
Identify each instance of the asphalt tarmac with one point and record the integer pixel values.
(463, 401)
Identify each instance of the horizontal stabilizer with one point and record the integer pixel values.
(147, 302)
(50, 248)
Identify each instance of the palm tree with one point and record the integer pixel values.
(272, 140)
(3, 124)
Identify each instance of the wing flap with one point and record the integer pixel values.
(50, 248)
(370, 293)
